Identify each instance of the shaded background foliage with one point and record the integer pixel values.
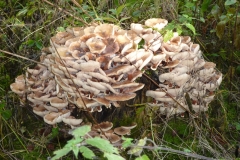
(26, 27)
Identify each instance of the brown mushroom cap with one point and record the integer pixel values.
(113, 138)
(120, 97)
(122, 131)
(58, 103)
(133, 125)
(72, 121)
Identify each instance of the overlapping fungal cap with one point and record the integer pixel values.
(182, 69)
(105, 130)
(98, 65)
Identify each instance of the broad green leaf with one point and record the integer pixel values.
(124, 18)
(73, 142)
(205, 5)
(187, 150)
(22, 11)
(86, 152)
(111, 156)
(220, 29)
(136, 13)
(229, 2)
(2, 104)
(119, 9)
(114, 11)
(137, 149)
(223, 55)
(60, 153)
(39, 45)
(168, 35)
(143, 157)
(127, 142)
(55, 131)
(6, 114)
(60, 29)
(179, 29)
(75, 150)
(102, 144)
(237, 126)
(216, 11)
(191, 27)
(109, 19)
(81, 131)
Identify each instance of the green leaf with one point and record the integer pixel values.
(86, 152)
(143, 157)
(229, 2)
(55, 132)
(75, 150)
(111, 156)
(81, 131)
(216, 11)
(127, 142)
(22, 11)
(220, 29)
(6, 114)
(2, 104)
(136, 13)
(119, 9)
(205, 5)
(168, 35)
(73, 142)
(39, 45)
(237, 126)
(124, 18)
(114, 11)
(102, 144)
(60, 29)
(60, 153)
(187, 150)
(191, 27)
(109, 19)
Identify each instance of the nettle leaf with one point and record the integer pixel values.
(86, 152)
(111, 156)
(81, 131)
(73, 142)
(102, 144)
(220, 29)
(75, 150)
(127, 142)
(143, 157)
(229, 2)
(60, 153)
(168, 35)
(191, 27)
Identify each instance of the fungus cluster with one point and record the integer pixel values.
(95, 66)
(106, 131)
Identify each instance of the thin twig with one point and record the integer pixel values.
(15, 55)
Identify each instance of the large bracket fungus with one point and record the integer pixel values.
(98, 65)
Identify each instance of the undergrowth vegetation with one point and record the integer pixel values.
(27, 26)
